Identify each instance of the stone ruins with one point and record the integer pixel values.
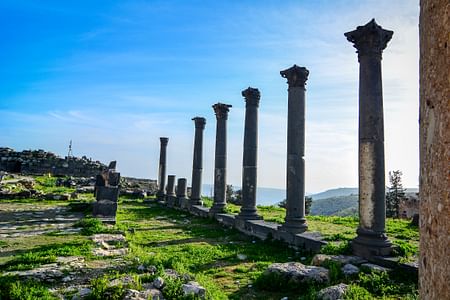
(371, 241)
(40, 162)
(106, 194)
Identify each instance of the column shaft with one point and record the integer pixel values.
(220, 182)
(181, 192)
(197, 164)
(370, 40)
(162, 168)
(295, 220)
(170, 191)
(249, 161)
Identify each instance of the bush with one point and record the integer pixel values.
(355, 292)
(102, 291)
(341, 248)
(14, 289)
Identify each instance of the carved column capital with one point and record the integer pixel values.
(200, 122)
(164, 140)
(221, 110)
(370, 39)
(251, 96)
(296, 76)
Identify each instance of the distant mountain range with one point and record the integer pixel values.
(339, 201)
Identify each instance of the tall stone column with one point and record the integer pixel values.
(295, 221)
(434, 248)
(249, 174)
(370, 40)
(162, 168)
(197, 164)
(220, 169)
(170, 190)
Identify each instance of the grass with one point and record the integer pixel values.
(11, 288)
(90, 225)
(46, 254)
(343, 229)
(228, 264)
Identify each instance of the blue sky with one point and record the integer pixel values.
(113, 76)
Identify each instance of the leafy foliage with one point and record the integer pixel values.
(395, 194)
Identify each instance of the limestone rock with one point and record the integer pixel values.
(158, 282)
(335, 292)
(193, 288)
(375, 268)
(152, 294)
(299, 272)
(350, 270)
(320, 259)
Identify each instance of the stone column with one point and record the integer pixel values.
(220, 181)
(197, 164)
(370, 40)
(181, 192)
(170, 191)
(434, 248)
(248, 209)
(162, 168)
(295, 221)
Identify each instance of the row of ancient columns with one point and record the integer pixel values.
(369, 40)
(295, 213)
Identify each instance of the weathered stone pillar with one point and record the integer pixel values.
(197, 164)
(249, 174)
(370, 40)
(170, 190)
(295, 220)
(162, 168)
(220, 170)
(181, 192)
(434, 249)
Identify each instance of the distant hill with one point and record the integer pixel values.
(335, 193)
(336, 206)
(264, 196)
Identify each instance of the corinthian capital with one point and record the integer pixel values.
(164, 140)
(296, 76)
(221, 110)
(369, 39)
(251, 96)
(200, 122)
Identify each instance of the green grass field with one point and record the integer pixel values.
(227, 263)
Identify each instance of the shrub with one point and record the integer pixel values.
(341, 248)
(14, 289)
(355, 292)
(91, 226)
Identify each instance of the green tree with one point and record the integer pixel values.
(308, 203)
(395, 194)
(234, 196)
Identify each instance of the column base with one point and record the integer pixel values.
(217, 208)
(184, 203)
(161, 197)
(171, 200)
(294, 225)
(370, 243)
(195, 202)
(248, 214)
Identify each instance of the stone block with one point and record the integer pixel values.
(199, 210)
(225, 219)
(113, 178)
(107, 193)
(105, 208)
